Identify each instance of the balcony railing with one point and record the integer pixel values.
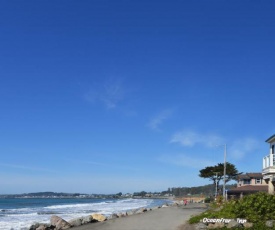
(269, 164)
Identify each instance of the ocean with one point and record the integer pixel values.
(21, 213)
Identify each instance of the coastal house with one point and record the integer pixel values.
(248, 183)
(258, 182)
(269, 165)
(250, 179)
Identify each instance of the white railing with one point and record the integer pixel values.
(268, 161)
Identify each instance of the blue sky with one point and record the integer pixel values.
(122, 96)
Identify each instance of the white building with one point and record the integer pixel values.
(269, 166)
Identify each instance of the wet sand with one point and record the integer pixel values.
(169, 218)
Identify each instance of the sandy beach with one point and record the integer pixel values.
(168, 218)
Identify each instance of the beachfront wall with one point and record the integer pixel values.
(269, 165)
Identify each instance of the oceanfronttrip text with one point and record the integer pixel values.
(222, 220)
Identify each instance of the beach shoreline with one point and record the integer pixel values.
(23, 213)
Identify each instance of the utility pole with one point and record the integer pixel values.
(216, 191)
(224, 172)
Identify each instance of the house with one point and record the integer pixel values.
(256, 182)
(269, 165)
(248, 183)
(253, 179)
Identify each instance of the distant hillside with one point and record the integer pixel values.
(206, 190)
(43, 195)
(51, 194)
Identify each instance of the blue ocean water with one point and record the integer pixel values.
(21, 213)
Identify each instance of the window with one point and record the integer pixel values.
(246, 181)
(258, 181)
(272, 149)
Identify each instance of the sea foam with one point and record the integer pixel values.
(23, 218)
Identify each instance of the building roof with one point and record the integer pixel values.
(270, 139)
(249, 188)
(251, 175)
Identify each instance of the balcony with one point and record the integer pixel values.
(269, 164)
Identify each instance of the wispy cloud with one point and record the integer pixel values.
(113, 93)
(191, 138)
(242, 147)
(109, 93)
(159, 119)
(23, 167)
(85, 162)
(114, 165)
(237, 148)
(186, 161)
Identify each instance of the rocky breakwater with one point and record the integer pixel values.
(57, 223)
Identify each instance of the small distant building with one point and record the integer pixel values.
(248, 183)
(269, 165)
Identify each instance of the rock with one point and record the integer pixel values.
(42, 227)
(219, 225)
(200, 226)
(87, 219)
(76, 222)
(39, 226)
(34, 226)
(122, 214)
(269, 223)
(141, 210)
(247, 225)
(130, 213)
(59, 223)
(211, 226)
(54, 220)
(99, 217)
(233, 224)
(113, 216)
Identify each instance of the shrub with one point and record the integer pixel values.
(256, 208)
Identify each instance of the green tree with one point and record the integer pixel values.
(216, 173)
